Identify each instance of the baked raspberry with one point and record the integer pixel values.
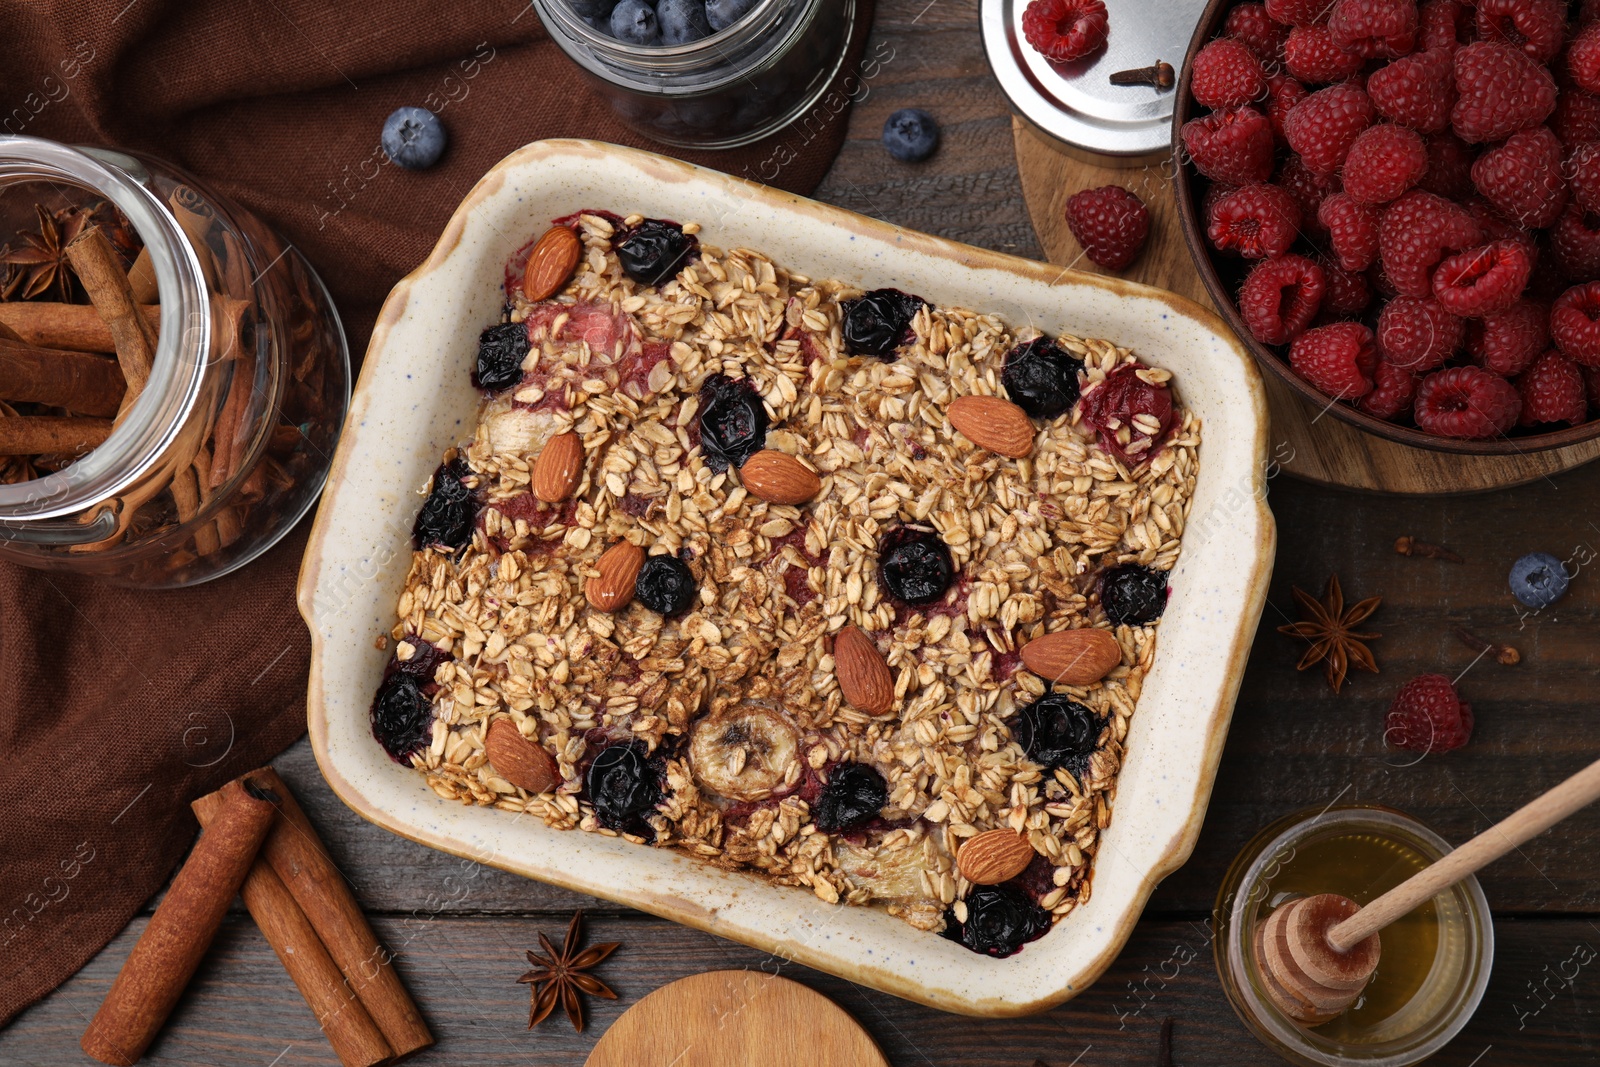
(1416, 333)
(1383, 162)
(1449, 172)
(1428, 716)
(1225, 73)
(1322, 127)
(1443, 25)
(1298, 12)
(1393, 391)
(1308, 189)
(1535, 26)
(1110, 223)
(1575, 323)
(1506, 343)
(1347, 295)
(1111, 407)
(1466, 402)
(1521, 177)
(1064, 30)
(1499, 91)
(1577, 117)
(1583, 59)
(1283, 93)
(1484, 280)
(1259, 31)
(1552, 391)
(1415, 233)
(1256, 221)
(1583, 176)
(1374, 28)
(1338, 359)
(1415, 91)
(1311, 56)
(1231, 146)
(1575, 244)
(1280, 298)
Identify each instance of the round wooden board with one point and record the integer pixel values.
(733, 1019)
(1305, 442)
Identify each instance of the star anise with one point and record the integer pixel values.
(43, 255)
(1335, 643)
(559, 976)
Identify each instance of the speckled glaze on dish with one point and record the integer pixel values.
(414, 399)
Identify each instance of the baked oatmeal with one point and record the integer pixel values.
(841, 588)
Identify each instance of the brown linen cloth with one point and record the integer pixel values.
(117, 706)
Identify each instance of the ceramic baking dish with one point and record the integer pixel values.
(414, 400)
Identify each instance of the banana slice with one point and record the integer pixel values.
(744, 752)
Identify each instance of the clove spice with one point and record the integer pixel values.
(1504, 654)
(1159, 75)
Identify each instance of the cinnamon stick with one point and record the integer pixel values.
(142, 278)
(75, 326)
(351, 1031)
(167, 953)
(90, 385)
(186, 497)
(29, 435)
(230, 438)
(99, 268)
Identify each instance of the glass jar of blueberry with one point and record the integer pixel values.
(705, 73)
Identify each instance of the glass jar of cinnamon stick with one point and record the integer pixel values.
(173, 376)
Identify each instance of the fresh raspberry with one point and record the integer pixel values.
(1591, 381)
(1428, 716)
(1215, 194)
(1575, 323)
(1347, 295)
(1110, 223)
(1547, 281)
(1309, 189)
(1224, 74)
(1384, 161)
(1588, 11)
(1577, 117)
(1575, 244)
(1352, 230)
(1323, 125)
(1283, 93)
(1466, 402)
(1415, 233)
(1583, 176)
(1415, 91)
(1499, 91)
(1552, 391)
(1311, 56)
(1258, 30)
(1393, 391)
(1535, 26)
(1231, 146)
(1449, 171)
(1338, 359)
(1583, 59)
(1280, 298)
(1506, 343)
(1484, 280)
(1298, 12)
(1442, 25)
(1521, 177)
(1416, 333)
(1064, 30)
(1382, 284)
(1374, 28)
(1257, 221)
(1491, 223)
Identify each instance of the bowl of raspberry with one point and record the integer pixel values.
(1396, 205)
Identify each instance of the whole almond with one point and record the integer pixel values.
(518, 760)
(994, 856)
(779, 478)
(551, 263)
(864, 677)
(1073, 657)
(619, 567)
(992, 423)
(559, 468)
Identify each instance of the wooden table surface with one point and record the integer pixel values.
(460, 930)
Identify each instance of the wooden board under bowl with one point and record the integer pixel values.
(1304, 442)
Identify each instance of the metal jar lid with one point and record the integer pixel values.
(1075, 103)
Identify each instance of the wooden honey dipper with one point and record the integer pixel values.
(1316, 954)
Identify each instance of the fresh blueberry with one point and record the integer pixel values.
(682, 21)
(635, 22)
(413, 137)
(724, 13)
(1539, 579)
(910, 135)
(594, 12)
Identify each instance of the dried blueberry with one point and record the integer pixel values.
(854, 795)
(501, 350)
(447, 515)
(666, 585)
(1041, 377)
(733, 421)
(1056, 731)
(1000, 920)
(914, 564)
(876, 323)
(402, 716)
(652, 251)
(1133, 594)
(622, 786)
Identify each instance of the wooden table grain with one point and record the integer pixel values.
(460, 930)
